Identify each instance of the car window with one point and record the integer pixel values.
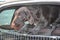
(6, 16)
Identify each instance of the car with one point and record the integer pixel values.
(18, 21)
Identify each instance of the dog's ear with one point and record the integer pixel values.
(45, 11)
(50, 13)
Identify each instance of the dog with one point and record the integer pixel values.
(39, 16)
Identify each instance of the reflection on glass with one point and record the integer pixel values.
(6, 16)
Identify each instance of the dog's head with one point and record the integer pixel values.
(21, 15)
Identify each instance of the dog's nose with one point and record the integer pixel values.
(12, 25)
(16, 26)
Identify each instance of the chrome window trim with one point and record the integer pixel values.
(26, 3)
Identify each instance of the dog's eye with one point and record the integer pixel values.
(24, 19)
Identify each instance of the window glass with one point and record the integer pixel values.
(6, 16)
